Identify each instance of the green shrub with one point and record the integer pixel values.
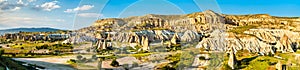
(110, 57)
(241, 29)
(1, 52)
(202, 58)
(114, 63)
(94, 57)
(79, 57)
(71, 61)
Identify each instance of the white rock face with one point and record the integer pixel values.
(189, 36)
(215, 42)
(212, 27)
(264, 41)
(175, 39)
(232, 59)
(79, 39)
(103, 44)
(135, 37)
(145, 43)
(285, 44)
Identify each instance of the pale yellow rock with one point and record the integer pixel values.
(146, 43)
(175, 39)
(232, 59)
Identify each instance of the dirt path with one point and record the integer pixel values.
(50, 63)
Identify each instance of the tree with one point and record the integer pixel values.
(202, 58)
(1, 52)
(94, 57)
(114, 63)
(79, 57)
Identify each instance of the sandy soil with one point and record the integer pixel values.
(56, 62)
(50, 63)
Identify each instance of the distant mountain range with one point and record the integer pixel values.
(15, 30)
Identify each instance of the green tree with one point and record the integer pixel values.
(79, 57)
(114, 63)
(202, 58)
(1, 52)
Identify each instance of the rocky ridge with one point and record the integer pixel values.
(212, 31)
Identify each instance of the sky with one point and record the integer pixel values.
(76, 14)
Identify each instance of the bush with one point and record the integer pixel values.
(202, 58)
(94, 57)
(79, 57)
(114, 63)
(71, 61)
(241, 29)
(1, 52)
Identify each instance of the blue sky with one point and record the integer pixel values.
(75, 14)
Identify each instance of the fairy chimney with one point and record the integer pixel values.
(145, 43)
(175, 39)
(232, 59)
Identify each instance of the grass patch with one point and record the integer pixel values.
(241, 29)
(216, 60)
(298, 52)
(262, 63)
(140, 55)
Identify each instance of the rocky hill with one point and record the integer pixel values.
(260, 33)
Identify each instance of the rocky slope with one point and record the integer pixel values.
(259, 33)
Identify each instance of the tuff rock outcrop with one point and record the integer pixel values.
(232, 62)
(145, 43)
(175, 39)
(189, 36)
(286, 45)
(268, 34)
(103, 44)
(214, 42)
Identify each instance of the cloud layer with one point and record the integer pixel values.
(82, 8)
(8, 6)
(48, 6)
(90, 15)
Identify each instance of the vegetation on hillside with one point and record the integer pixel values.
(241, 29)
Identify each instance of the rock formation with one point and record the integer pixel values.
(103, 44)
(280, 66)
(286, 45)
(232, 62)
(145, 43)
(210, 28)
(189, 36)
(175, 39)
(215, 42)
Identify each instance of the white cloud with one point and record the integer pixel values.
(60, 20)
(20, 2)
(2, 1)
(16, 8)
(95, 15)
(5, 5)
(82, 8)
(31, 0)
(48, 6)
